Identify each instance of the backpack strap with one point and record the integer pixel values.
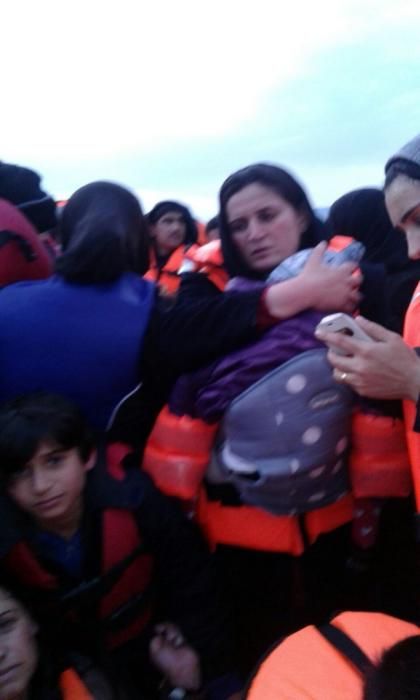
(346, 646)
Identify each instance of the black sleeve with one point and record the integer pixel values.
(201, 325)
(374, 304)
(186, 580)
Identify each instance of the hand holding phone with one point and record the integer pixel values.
(342, 323)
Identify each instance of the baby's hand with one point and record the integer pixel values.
(178, 661)
(332, 288)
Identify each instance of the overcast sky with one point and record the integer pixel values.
(170, 97)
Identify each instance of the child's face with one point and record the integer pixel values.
(18, 649)
(50, 486)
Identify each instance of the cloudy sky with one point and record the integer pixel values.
(171, 96)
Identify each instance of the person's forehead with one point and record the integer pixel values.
(45, 448)
(250, 198)
(7, 602)
(401, 197)
(172, 215)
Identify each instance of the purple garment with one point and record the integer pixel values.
(208, 392)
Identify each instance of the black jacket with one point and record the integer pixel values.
(198, 327)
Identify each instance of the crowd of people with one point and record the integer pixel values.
(196, 476)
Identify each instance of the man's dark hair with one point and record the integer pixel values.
(162, 208)
(30, 419)
(397, 677)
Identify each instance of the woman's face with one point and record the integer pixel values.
(18, 649)
(265, 228)
(402, 200)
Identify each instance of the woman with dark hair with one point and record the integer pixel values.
(294, 218)
(95, 330)
(362, 214)
(265, 219)
(103, 235)
(388, 367)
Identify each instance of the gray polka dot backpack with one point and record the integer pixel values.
(284, 442)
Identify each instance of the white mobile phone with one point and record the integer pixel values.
(342, 323)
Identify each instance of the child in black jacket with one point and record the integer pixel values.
(104, 555)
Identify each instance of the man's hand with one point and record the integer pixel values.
(176, 660)
(383, 368)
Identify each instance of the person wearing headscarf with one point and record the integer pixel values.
(362, 214)
(22, 187)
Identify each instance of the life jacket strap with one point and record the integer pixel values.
(347, 647)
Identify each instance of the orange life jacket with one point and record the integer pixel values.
(168, 276)
(178, 452)
(72, 686)
(208, 259)
(412, 338)
(305, 666)
(122, 558)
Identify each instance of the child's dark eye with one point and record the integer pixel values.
(7, 624)
(54, 460)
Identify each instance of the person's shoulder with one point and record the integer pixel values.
(196, 284)
(119, 484)
(18, 288)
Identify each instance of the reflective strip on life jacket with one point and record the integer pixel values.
(305, 666)
(72, 686)
(412, 338)
(248, 527)
(177, 454)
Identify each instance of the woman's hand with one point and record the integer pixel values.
(383, 368)
(332, 288)
(176, 660)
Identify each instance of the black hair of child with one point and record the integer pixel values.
(28, 420)
(397, 677)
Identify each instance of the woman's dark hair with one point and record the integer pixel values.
(283, 184)
(162, 208)
(30, 419)
(103, 234)
(401, 166)
(362, 214)
(397, 677)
